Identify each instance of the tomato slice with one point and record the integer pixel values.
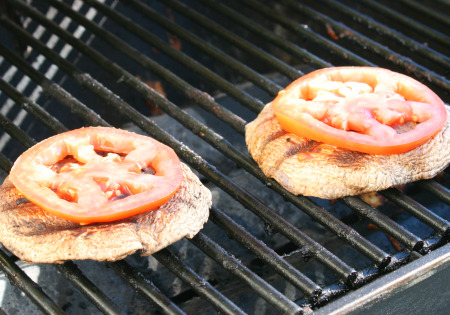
(365, 109)
(97, 174)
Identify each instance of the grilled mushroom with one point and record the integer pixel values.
(35, 235)
(311, 168)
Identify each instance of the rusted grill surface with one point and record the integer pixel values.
(67, 65)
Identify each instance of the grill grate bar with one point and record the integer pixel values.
(51, 89)
(261, 32)
(389, 226)
(305, 31)
(251, 75)
(440, 225)
(365, 275)
(403, 40)
(84, 285)
(234, 266)
(343, 231)
(198, 284)
(198, 96)
(18, 134)
(5, 163)
(265, 253)
(20, 279)
(440, 191)
(32, 108)
(237, 192)
(430, 33)
(442, 18)
(198, 18)
(145, 287)
(367, 43)
(287, 229)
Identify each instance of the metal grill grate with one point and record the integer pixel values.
(126, 43)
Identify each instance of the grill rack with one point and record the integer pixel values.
(315, 296)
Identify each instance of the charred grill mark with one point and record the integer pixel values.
(272, 137)
(262, 120)
(294, 148)
(346, 157)
(178, 199)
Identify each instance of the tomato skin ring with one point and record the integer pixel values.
(308, 127)
(31, 171)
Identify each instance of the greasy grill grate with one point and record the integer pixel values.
(254, 38)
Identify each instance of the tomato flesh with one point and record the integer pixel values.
(97, 174)
(370, 110)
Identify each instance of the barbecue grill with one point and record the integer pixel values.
(191, 74)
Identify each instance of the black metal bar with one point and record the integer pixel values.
(443, 2)
(145, 287)
(389, 226)
(20, 279)
(327, 45)
(233, 265)
(365, 275)
(270, 37)
(51, 89)
(357, 38)
(18, 134)
(430, 33)
(254, 77)
(198, 284)
(249, 201)
(90, 291)
(5, 163)
(419, 211)
(32, 108)
(403, 40)
(190, 92)
(235, 40)
(265, 253)
(435, 15)
(343, 231)
(5, 8)
(435, 188)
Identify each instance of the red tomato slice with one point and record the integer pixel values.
(97, 174)
(363, 109)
